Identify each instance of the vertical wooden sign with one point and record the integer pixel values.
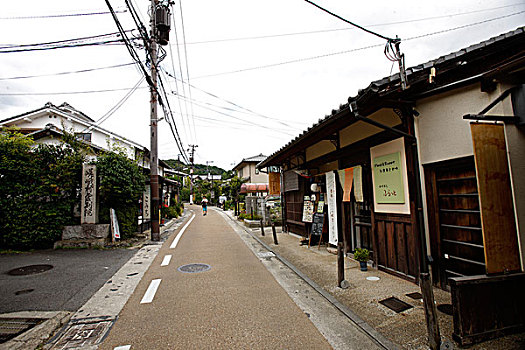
(495, 197)
(274, 184)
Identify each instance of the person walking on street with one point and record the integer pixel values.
(204, 204)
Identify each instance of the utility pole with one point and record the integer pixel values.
(212, 193)
(154, 171)
(159, 31)
(192, 158)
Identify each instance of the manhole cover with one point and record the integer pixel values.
(415, 295)
(193, 268)
(83, 334)
(29, 270)
(395, 304)
(445, 308)
(12, 327)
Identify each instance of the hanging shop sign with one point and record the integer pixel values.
(358, 184)
(389, 177)
(274, 180)
(331, 199)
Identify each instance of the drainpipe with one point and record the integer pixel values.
(425, 280)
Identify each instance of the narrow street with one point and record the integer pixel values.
(235, 304)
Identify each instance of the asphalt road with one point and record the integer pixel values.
(76, 275)
(236, 304)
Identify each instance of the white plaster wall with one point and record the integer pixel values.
(442, 132)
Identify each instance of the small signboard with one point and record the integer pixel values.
(317, 224)
(308, 211)
(388, 179)
(115, 231)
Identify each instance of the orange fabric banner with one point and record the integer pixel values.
(347, 188)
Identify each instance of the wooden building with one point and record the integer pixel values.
(437, 169)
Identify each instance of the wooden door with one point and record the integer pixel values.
(454, 220)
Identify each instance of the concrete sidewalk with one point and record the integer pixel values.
(407, 328)
(235, 304)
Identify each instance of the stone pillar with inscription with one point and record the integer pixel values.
(88, 210)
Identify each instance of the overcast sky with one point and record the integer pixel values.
(284, 64)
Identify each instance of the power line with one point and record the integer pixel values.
(193, 137)
(187, 66)
(304, 59)
(424, 19)
(66, 41)
(349, 22)
(64, 92)
(61, 15)
(70, 72)
(240, 109)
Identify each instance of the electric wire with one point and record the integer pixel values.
(66, 41)
(191, 133)
(119, 103)
(148, 78)
(69, 72)
(61, 15)
(423, 19)
(186, 64)
(304, 59)
(177, 90)
(349, 22)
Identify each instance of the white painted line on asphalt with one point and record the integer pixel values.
(176, 240)
(150, 293)
(123, 347)
(166, 260)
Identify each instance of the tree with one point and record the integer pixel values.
(121, 184)
(39, 186)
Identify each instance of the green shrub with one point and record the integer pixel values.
(121, 185)
(361, 254)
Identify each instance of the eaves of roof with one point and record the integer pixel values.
(454, 67)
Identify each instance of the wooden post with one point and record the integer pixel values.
(434, 337)
(274, 234)
(340, 239)
(340, 263)
(262, 227)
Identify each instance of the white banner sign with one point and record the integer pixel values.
(332, 207)
(146, 202)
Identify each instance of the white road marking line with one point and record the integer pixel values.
(123, 347)
(166, 260)
(176, 240)
(150, 293)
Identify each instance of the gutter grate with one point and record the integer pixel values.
(13, 327)
(395, 304)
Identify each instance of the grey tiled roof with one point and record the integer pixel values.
(393, 81)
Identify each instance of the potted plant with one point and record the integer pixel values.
(362, 255)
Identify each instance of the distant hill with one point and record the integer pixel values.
(199, 169)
